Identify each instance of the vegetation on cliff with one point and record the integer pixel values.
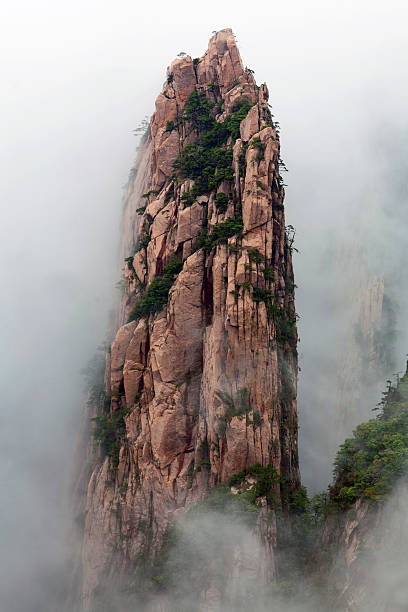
(157, 293)
(208, 161)
(368, 464)
(110, 432)
(256, 482)
(219, 234)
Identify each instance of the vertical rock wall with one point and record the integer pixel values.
(204, 386)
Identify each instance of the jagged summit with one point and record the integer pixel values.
(219, 73)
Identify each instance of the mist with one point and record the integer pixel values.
(214, 558)
(77, 80)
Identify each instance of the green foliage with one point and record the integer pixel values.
(221, 202)
(285, 323)
(219, 234)
(110, 432)
(261, 295)
(282, 166)
(318, 507)
(207, 161)
(188, 198)
(255, 256)
(256, 420)
(150, 192)
(144, 241)
(208, 167)
(268, 272)
(266, 479)
(170, 78)
(157, 293)
(368, 464)
(218, 107)
(197, 111)
(196, 61)
(242, 163)
(222, 231)
(261, 185)
(298, 501)
(201, 241)
(129, 262)
(257, 143)
(171, 125)
(236, 479)
(141, 210)
(238, 112)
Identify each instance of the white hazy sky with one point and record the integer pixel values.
(76, 78)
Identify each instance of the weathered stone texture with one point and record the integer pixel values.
(212, 339)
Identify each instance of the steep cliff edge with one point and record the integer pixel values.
(200, 381)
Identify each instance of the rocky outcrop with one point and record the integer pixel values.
(201, 375)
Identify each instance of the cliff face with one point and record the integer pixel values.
(201, 376)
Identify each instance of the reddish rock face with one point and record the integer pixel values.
(207, 383)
